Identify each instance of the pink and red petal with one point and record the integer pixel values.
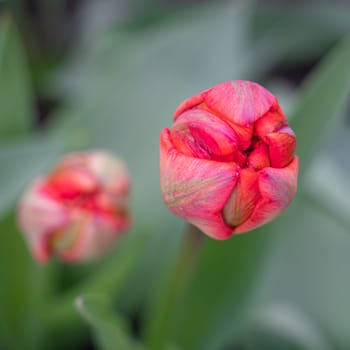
(196, 189)
(272, 121)
(244, 133)
(69, 183)
(259, 158)
(201, 134)
(241, 102)
(282, 145)
(189, 103)
(39, 215)
(277, 187)
(243, 199)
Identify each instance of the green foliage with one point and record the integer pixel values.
(324, 97)
(24, 287)
(22, 162)
(281, 327)
(109, 330)
(16, 97)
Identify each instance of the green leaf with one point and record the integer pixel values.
(24, 285)
(316, 28)
(16, 96)
(323, 98)
(221, 287)
(307, 266)
(108, 278)
(110, 331)
(281, 326)
(21, 162)
(263, 266)
(160, 319)
(327, 187)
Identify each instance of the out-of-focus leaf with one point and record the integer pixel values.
(16, 100)
(24, 285)
(290, 260)
(281, 326)
(287, 35)
(110, 331)
(108, 278)
(307, 266)
(308, 260)
(322, 100)
(221, 286)
(192, 47)
(160, 315)
(316, 27)
(321, 24)
(21, 162)
(327, 186)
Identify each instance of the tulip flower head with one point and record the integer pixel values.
(78, 210)
(227, 164)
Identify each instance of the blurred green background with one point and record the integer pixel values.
(109, 74)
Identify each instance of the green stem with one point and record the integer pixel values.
(164, 314)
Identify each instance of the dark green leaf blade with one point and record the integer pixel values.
(16, 96)
(322, 100)
(24, 285)
(222, 285)
(281, 326)
(110, 331)
(21, 162)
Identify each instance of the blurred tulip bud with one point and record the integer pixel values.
(77, 211)
(227, 164)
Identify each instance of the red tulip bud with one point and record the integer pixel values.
(227, 164)
(77, 211)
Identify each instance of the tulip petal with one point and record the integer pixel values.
(277, 187)
(259, 157)
(270, 122)
(196, 189)
(69, 183)
(38, 215)
(66, 240)
(188, 104)
(244, 133)
(110, 172)
(201, 134)
(113, 208)
(243, 198)
(241, 102)
(90, 237)
(282, 145)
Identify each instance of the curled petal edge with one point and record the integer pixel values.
(277, 187)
